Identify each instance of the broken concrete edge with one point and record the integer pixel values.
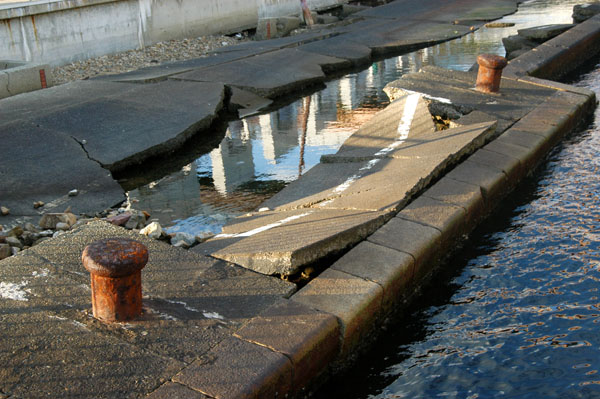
(559, 56)
(18, 77)
(361, 318)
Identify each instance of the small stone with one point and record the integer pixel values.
(264, 209)
(4, 210)
(15, 250)
(29, 238)
(184, 240)
(73, 193)
(14, 242)
(5, 251)
(16, 231)
(31, 227)
(136, 221)
(46, 233)
(153, 230)
(62, 226)
(146, 214)
(49, 220)
(119, 220)
(40, 240)
(38, 204)
(57, 233)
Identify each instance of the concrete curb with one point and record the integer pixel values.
(18, 77)
(406, 250)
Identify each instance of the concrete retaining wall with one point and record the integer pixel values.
(63, 31)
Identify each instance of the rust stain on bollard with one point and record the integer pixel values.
(115, 266)
(490, 72)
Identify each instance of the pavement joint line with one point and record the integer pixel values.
(267, 227)
(400, 216)
(403, 130)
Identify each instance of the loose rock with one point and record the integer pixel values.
(136, 221)
(153, 230)
(14, 242)
(73, 193)
(38, 204)
(5, 251)
(184, 240)
(62, 226)
(4, 211)
(119, 220)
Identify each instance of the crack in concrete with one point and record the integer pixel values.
(87, 154)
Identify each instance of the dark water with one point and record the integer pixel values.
(517, 314)
(259, 155)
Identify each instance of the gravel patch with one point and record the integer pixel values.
(172, 50)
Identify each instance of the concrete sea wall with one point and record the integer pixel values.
(61, 31)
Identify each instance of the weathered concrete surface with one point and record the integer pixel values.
(296, 69)
(45, 304)
(282, 242)
(39, 164)
(355, 301)
(381, 184)
(308, 337)
(452, 94)
(463, 11)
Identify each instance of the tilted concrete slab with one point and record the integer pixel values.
(282, 242)
(39, 164)
(465, 10)
(394, 36)
(130, 126)
(453, 92)
(295, 69)
(340, 47)
(408, 116)
(391, 183)
(158, 73)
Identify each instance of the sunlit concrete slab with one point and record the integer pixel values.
(282, 242)
(440, 10)
(289, 69)
(384, 36)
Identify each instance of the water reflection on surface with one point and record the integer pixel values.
(260, 154)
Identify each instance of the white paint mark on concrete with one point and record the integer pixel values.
(13, 291)
(213, 315)
(408, 114)
(43, 273)
(261, 229)
(427, 96)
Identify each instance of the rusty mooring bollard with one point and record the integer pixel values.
(115, 266)
(490, 72)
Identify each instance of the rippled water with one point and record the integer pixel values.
(259, 155)
(520, 314)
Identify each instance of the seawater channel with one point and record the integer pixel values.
(260, 154)
(516, 313)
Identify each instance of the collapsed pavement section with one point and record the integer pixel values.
(114, 122)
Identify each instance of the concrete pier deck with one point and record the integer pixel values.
(214, 329)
